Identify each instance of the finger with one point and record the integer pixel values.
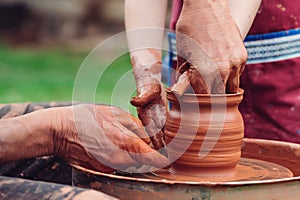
(143, 154)
(156, 138)
(121, 159)
(233, 81)
(242, 68)
(182, 66)
(156, 116)
(219, 86)
(134, 152)
(150, 93)
(127, 120)
(117, 155)
(157, 112)
(197, 82)
(135, 125)
(152, 129)
(182, 84)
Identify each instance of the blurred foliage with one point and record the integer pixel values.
(42, 75)
(37, 74)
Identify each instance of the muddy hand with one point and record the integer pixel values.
(103, 138)
(150, 99)
(211, 53)
(152, 115)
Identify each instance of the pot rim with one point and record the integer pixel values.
(239, 93)
(206, 99)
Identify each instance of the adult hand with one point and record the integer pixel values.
(150, 99)
(211, 54)
(103, 138)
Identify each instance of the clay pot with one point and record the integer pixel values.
(204, 133)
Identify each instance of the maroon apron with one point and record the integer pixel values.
(271, 79)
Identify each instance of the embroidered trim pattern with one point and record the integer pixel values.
(262, 48)
(273, 46)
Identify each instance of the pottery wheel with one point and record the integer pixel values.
(246, 170)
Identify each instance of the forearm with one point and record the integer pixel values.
(26, 136)
(243, 12)
(144, 22)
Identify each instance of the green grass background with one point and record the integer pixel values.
(48, 74)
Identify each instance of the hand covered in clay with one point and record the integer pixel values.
(103, 138)
(211, 54)
(150, 99)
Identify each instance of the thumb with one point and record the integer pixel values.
(200, 85)
(182, 84)
(148, 94)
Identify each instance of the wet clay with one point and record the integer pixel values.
(204, 133)
(154, 186)
(246, 170)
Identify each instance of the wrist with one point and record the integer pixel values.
(146, 67)
(39, 129)
(61, 127)
(25, 137)
(211, 9)
(205, 13)
(146, 81)
(204, 3)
